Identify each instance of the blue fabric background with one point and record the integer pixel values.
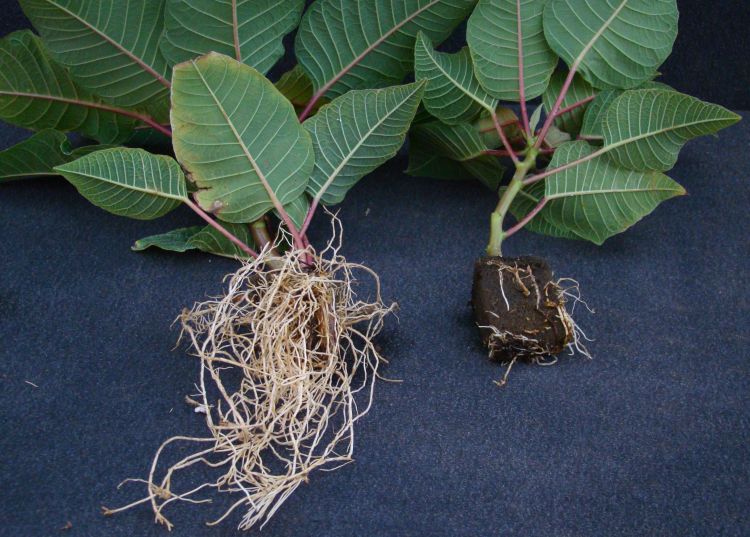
(649, 438)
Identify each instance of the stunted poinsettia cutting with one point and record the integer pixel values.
(588, 163)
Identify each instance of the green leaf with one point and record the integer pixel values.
(453, 93)
(295, 86)
(128, 182)
(37, 93)
(249, 31)
(487, 170)
(177, 240)
(203, 238)
(526, 200)
(598, 199)
(211, 241)
(492, 35)
(355, 134)
(458, 142)
(615, 43)
(297, 210)
(38, 155)
(596, 109)
(238, 137)
(593, 118)
(422, 115)
(510, 123)
(461, 143)
(645, 129)
(35, 156)
(355, 44)
(110, 46)
(424, 161)
(150, 139)
(579, 90)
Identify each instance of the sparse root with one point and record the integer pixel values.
(526, 347)
(284, 354)
(569, 291)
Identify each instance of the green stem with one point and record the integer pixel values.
(497, 235)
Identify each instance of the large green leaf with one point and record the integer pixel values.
(597, 199)
(614, 43)
(356, 133)
(37, 93)
(355, 44)
(238, 137)
(38, 155)
(128, 182)
(453, 93)
(525, 201)
(492, 34)
(249, 31)
(579, 90)
(203, 238)
(110, 46)
(645, 129)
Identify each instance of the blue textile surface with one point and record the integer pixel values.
(649, 438)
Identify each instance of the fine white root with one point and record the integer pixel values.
(570, 291)
(284, 354)
(524, 347)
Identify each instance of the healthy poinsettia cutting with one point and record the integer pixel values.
(288, 346)
(591, 169)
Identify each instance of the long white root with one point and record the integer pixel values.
(284, 353)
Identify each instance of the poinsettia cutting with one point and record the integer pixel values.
(592, 168)
(288, 346)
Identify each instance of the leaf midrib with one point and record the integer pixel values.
(649, 134)
(597, 35)
(261, 176)
(328, 85)
(579, 193)
(138, 61)
(459, 86)
(158, 193)
(344, 162)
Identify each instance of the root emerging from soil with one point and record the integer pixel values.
(283, 354)
(522, 313)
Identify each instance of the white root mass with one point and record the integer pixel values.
(284, 354)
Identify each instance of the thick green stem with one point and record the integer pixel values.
(497, 217)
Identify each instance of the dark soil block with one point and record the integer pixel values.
(519, 309)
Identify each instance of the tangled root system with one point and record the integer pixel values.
(284, 353)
